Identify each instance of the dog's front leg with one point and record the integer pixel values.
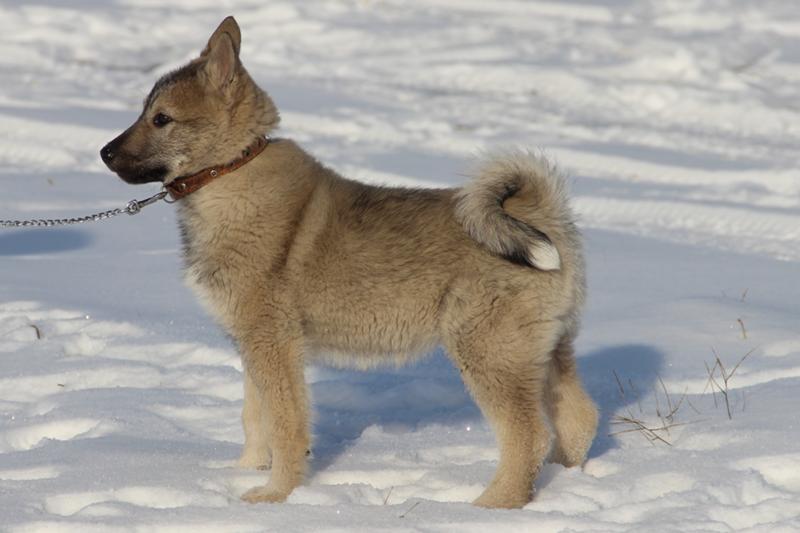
(257, 451)
(275, 366)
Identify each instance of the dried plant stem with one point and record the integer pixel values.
(726, 378)
(741, 325)
(619, 384)
(409, 510)
(651, 434)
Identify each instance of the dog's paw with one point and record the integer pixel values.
(495, 498)
(565, 458)
(265, 494)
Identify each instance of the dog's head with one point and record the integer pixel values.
(201, 115)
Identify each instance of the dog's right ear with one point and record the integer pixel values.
(222, 54)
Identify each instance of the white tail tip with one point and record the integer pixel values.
(544, 256)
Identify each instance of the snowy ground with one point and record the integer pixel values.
(679, 121)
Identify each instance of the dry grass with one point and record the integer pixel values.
(409, 510)
(653, 432)
(667, 409)
(725, 376)
(741, 325)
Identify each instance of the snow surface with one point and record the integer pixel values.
(679, 122)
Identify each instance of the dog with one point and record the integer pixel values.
(296, 262)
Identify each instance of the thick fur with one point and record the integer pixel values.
(507, 176)
(296, 262)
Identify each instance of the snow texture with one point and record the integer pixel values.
(678, 122)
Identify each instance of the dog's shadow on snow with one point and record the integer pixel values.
(637, 366)
(431, 392)
(42, 241)
(346, 402)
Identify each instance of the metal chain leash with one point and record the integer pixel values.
(132, 208)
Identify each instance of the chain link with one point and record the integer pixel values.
(132, 208)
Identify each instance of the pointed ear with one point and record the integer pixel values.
(229, 27)
(220, 64)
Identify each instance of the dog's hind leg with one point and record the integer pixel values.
(275, 364)
(572, 411)
(504, 363)
(256, 452)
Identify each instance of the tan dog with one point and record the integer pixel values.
(295, 262)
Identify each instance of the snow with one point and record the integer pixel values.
(679, 124)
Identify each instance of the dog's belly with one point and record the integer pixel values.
(349, 335)
(369, 338)
(365, 358)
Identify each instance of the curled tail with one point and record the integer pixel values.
(516, 206)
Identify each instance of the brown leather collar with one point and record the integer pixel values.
(186, 185)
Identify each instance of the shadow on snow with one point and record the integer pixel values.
(42, 241)
(430, 392)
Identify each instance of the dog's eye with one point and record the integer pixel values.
(161, 120)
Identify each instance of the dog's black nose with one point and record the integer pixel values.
(107, 154)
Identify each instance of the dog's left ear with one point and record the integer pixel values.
(222, 53)
(230, 27)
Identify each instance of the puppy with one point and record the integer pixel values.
(296, 262)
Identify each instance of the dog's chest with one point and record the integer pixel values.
(212, 296)
(231, 254)
(210, 269)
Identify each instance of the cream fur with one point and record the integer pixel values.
(293, 260)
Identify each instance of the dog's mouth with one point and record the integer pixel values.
(130, 169)
(137, 176)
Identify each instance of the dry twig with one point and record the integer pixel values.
(741, 325)
(409, 510)
(667, 418)
(619, 384)
(651, 434)
(726, 378)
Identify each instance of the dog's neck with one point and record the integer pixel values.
(186, 185)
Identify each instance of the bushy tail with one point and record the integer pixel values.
(516, 206)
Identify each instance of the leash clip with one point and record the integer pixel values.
(135, 206)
